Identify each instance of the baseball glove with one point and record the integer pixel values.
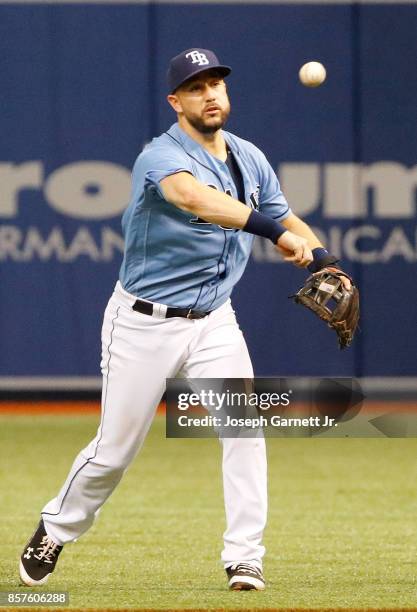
(325, 294)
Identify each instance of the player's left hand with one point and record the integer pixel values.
(345, 279)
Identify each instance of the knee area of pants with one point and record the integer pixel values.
(116, 466)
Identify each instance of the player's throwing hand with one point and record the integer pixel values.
(294, 249)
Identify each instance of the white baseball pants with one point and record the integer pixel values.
(138, 353)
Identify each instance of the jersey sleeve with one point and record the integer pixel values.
(272, 201)
(158, 163)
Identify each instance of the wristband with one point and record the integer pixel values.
(321, 259)
(262, 225)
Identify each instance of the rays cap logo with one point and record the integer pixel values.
(191, 62)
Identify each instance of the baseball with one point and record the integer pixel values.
(312, 74)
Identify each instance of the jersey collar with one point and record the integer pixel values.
(191, 146)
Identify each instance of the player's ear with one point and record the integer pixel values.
(174, 102)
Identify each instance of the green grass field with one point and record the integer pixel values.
(342, 529)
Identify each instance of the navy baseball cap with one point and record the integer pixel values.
(191, 62)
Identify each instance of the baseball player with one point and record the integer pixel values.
(199, 196)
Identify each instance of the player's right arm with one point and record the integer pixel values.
(188, 194)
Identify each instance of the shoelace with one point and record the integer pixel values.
(246, 567)
(48, 550)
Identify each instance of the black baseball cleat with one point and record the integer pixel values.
(39, 558)
(245, 577)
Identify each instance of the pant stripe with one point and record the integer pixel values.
(101, 424)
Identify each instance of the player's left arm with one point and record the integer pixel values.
(300, 227)
(273, 203)
(322, 259)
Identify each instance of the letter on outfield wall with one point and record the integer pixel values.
(394, 189)
(301, 186)
(13, 179)
(89, 190)
(343, 196)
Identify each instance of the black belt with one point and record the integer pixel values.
(187, 313)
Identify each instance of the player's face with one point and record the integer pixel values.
(203, 102)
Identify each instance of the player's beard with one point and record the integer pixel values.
(209, 126)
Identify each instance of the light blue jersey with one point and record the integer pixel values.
(174, 258)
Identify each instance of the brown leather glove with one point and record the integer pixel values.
(325, 294)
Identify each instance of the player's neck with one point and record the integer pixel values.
(214, 143)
